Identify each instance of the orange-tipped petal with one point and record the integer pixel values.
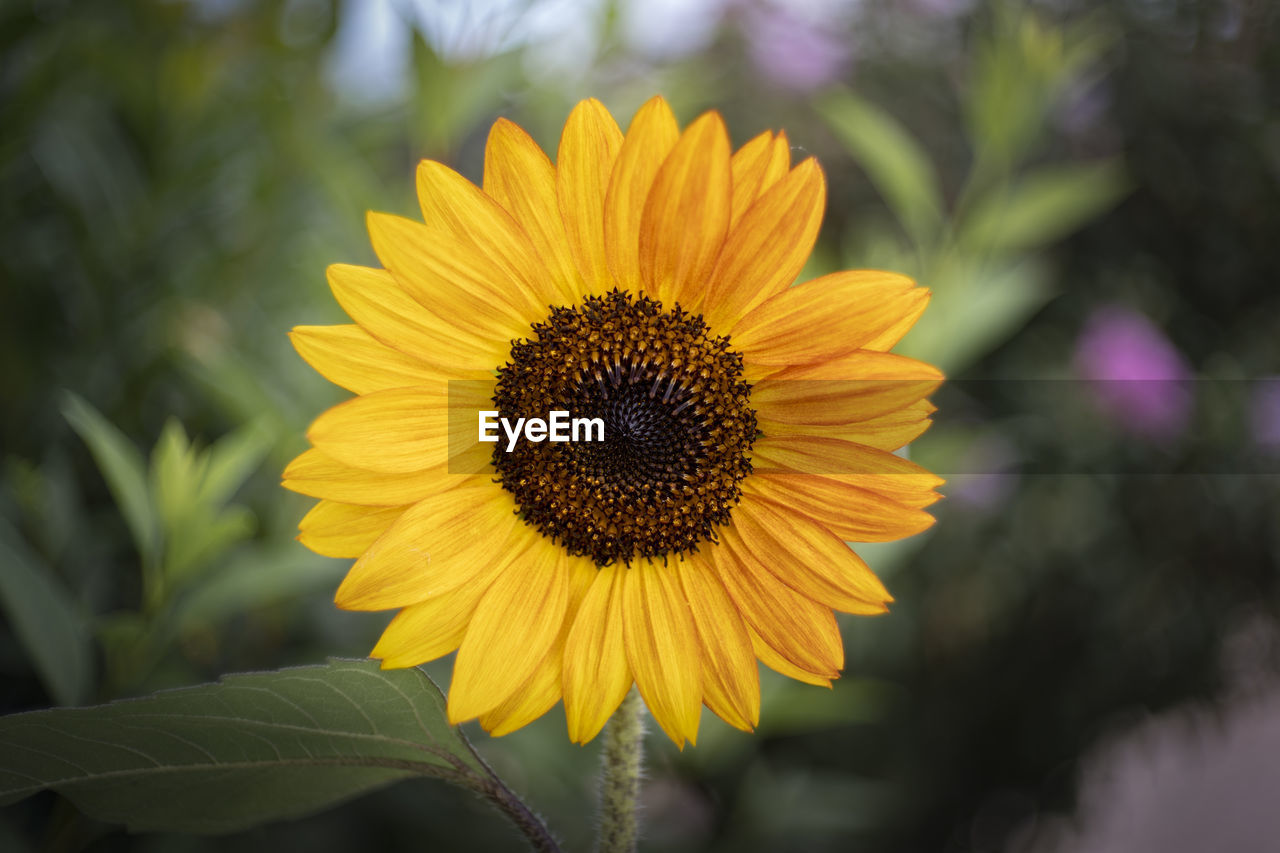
(781, 665)
(885, 432)
(794, 625)
(520, 177)
(808, 557)
(435, 627)
(768, 246)
(318, 475)
(588, 147)
(345, 530)
(857, 387)
(730, 680)
(511, 632)
(756, 167)
(852, 513)
(480, 223)
(451, 278)
(375, 300)
(439, 544)
(596, 674)
(827, 317)
(396, 431)
(351, 358)
(686, 216)
(650, 138)
(542, 690)
(662, 649)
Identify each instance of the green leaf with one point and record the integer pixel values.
(251, 748)
(892, 159)
(230, 462)
(122, 467)
(1043, 207)
(975, 307)
(190, 486)
(195, 541)
(46, 620)
(256, 578)
(174, 475)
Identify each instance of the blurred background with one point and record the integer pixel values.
(1090, 187)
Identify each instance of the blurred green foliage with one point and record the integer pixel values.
(174, 177)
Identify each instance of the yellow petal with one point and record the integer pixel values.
(892, 476)
(439, 544)
(511, 632)
(650, 138)
(520, 177)
(345, 530)
(542, 689)
(319, 476)
(856, 387)
(596, 675)
(395, 431)
(435, 627)
(756, 166)
(662, 649)
(779, 664)
(730, 680)
(381, 306)
(826, 317)
(351, 358)
(747, 167)
(477, 221)
(794, 625)
(588, 146)
(467, 454)
(686, 216)
(864, 365)
(536, 696)
(779, 163)
(886, 340)
(851, 513)
(808, 557)
(451, 278)
(769, 246)
(885, 432)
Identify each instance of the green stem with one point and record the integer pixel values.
(525, 820)
(620, 776)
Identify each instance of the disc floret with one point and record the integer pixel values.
(678, 428)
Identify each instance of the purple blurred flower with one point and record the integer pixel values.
(794, 51)
(1264, 414)
(1138, 377)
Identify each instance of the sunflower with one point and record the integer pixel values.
(644, 279)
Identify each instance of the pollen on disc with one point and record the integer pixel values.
(678, 427)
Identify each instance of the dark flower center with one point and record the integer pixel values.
(677, 429)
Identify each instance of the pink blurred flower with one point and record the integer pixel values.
(792, 50)
(1264, 414)
(1138, 376)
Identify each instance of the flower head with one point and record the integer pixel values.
(644, 282)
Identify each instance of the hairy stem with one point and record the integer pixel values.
(620, 776)
(529, 824)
